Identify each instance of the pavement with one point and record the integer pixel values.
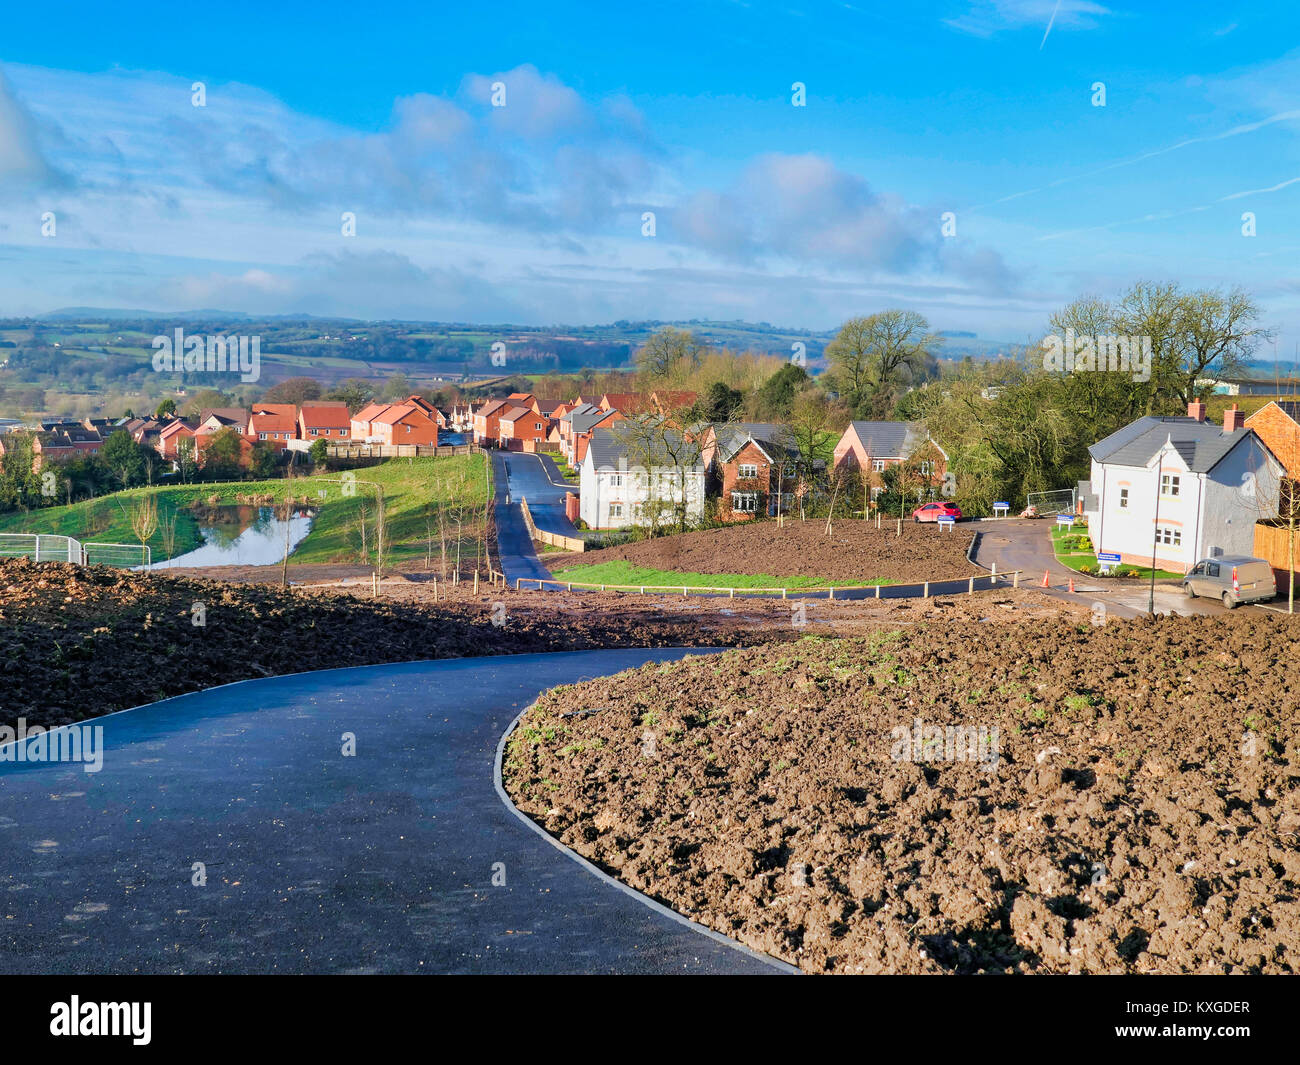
(1026, 545)
(527, 476)
(400, 858)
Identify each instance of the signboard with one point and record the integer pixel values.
(1107, 556)
(1005, 506)
(1065, 519)
(947, 523)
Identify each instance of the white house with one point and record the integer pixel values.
(1180, 488)
(617, 491)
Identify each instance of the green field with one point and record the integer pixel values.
(409, 487)
(626, 573)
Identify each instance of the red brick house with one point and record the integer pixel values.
(329, 421)
(171, 434)
(275, 423)
(751, 467)
(487, 421)
(1278, 425)
(872, 447)
(405, 423)
(522, 429)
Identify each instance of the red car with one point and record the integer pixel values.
(935, 511)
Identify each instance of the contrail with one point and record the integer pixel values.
(1235, 131)
(1050, 22)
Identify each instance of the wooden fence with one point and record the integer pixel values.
(1273, 545)
(565, 543)
(399, 451)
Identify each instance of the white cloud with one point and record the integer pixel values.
(984, 18)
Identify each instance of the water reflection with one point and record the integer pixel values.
(243, 536)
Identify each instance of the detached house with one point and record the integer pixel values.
(618, 491)
(1180, 488)
(405, 423)
(1278, 425)
(872, 447)
(752, 466)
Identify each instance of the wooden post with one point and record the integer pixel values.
(782, 593)
(971, 590)
(832, 593)
(1015, 579)
(476, 582)
(732, 592)
(900, 527)
(926, 593)
(877, 591)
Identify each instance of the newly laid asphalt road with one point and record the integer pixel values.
(318, 862)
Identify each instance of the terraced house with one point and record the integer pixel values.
(1180, 489)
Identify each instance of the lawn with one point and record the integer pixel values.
(410, 487)
(1074, 550)
(625, 573)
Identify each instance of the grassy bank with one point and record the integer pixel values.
(626, 573)
(411, 489)
(1074, 550)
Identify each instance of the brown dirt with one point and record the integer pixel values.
(76, 643)
(855, 551)
(1142, 816)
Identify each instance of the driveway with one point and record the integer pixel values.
(315, 862)
(1021, 544)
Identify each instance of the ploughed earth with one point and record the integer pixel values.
(855, 550)
(79, 642)
(953, 796)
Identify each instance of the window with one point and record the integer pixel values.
(927, 469)
(539, 425)
(1123, 499)
(616, 510)
(616, 480)
(744, 502)
(748, 471)
(878, 465)
(1211, 569)
(1168, 534)
(1169, 484)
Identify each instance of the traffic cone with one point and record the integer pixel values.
(1071, 585)
(1046, 583)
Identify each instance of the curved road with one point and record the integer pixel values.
(316, 862)
(535, 478)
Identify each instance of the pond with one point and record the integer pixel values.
(243, 536)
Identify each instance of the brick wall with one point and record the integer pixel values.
(1280, 434)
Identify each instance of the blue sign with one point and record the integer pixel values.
(947, 521)
(1007, 505)
(1065, 519)
(1106, 556)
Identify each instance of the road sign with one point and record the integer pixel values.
(1065, 519)
(1107, 556)
(1007, 505)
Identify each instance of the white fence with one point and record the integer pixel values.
(46, 547)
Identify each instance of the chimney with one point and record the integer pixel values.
(1196, 409)
(1233, 419)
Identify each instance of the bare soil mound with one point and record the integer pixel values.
(77, 642)
(1136, 810)
(855, 551)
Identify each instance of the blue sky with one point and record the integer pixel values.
(532, 212)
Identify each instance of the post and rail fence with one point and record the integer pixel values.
(49, 547)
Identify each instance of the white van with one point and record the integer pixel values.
(1232, 578)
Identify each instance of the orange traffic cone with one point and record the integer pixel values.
(1071, 585)
(1046, 584)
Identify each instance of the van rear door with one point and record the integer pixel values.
(1256, 579)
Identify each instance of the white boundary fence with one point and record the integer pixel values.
(47, 547)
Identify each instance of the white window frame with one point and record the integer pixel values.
(744, 502)
(616, 510)
(1170, 483)
(750, 476)
(1123, 499)
(877, 465)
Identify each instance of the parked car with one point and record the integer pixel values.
(935, 511)
(1232, 578)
